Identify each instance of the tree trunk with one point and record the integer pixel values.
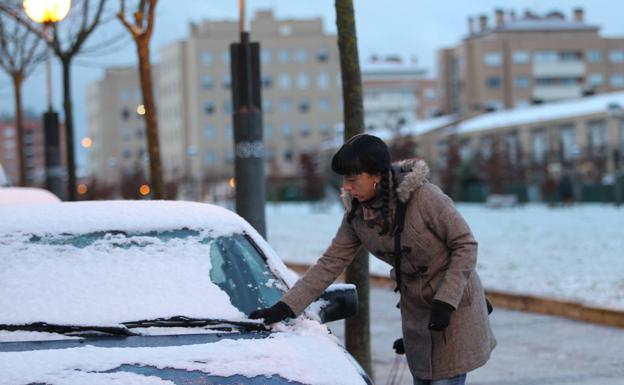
(357, 328)
(69, 129)
(151, 121)
(19, 127)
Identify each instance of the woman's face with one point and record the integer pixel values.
(361, 186)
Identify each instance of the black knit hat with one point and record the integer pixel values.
(362, 153)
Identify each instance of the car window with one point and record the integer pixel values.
(236, 265)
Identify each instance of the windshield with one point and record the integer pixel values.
(113, 277)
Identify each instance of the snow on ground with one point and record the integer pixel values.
(574, 253)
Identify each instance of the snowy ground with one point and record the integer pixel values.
(572, 253)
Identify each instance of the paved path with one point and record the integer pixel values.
(532, 349)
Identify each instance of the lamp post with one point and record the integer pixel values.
(49, 12)
(617, 112)
(250, 190)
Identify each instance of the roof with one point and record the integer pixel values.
(547, 24)
(542, 113)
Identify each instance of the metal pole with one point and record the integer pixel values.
(46, 31)
(250, 189)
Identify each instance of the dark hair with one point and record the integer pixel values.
(369, 154)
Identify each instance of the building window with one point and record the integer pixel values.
(209, 108)
(268, 131)
(283, 56)
(486, 147)
(616, 56)
(227, 82)
(594, 56)
(521, 81)
(322, 55)
(493, 59)
(465, 150)
(209, 132)
(325, 129)
(265, 56)
(595, 79)
(301, 56)
(597, 137)
(210, 159)
(286, 130)
(304, 105)
(283, 81)
(305, 129)
(545, 56)
(225, 56)
(493, 83)
(126, 153)
(520, 57)
(229, 156)
(617, 80)
(324, 106)
(322, 80)
(569, 56)
(567, 137)
(303, 81)
(125, 113)
(288, 156)
(539, 146)
(267, 81)
(206, 57)
(207, 82)
(124, 95)
(9, 132)
(267, 105)
(229, 133)
(285, 106)
(430, 94)
(227, 106)
(521, 103)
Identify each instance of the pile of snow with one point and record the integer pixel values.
(564, 253)
(25, 195)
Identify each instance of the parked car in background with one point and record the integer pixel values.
(155, 292)
(26, 195)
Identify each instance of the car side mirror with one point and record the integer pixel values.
(338, 302)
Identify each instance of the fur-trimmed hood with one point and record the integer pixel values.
(410, 175)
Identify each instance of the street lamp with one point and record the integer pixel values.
(49, 12)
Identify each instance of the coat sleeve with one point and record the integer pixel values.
(449, 226)
(334, 260)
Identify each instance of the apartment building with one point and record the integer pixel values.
(519, 60)
(397, 93)
(300, 100)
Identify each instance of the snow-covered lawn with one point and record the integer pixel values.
(574, 253)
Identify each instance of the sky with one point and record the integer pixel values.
(411, 28)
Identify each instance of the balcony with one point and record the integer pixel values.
(559, 69)
(557, 92)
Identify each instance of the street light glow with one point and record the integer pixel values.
(46, 11)
(141, 109)
(144, 190)
(82, 189)
(232, 182)
(86, 142)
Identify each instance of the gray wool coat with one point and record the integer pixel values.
(440, 266)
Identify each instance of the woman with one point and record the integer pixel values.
(446, 332)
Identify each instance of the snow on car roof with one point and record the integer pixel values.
(92, 216)
(104, 283)
(19, 195)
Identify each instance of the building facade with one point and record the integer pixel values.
(530, 59)
(301, 101)
(397, 93)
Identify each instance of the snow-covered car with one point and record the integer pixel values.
(155, 292)
(26, 195)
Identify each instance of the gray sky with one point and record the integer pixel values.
(407, 27)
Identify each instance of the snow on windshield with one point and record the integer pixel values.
(310, 356)
(107, 280)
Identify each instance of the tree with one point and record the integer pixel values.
(19, 55)
(357, 328)
(141, 32)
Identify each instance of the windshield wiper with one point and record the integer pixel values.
(69, 329)
(182, 321)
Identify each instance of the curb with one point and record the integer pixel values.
(523, 302)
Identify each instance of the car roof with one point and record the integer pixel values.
(22, 195)
(132, 216)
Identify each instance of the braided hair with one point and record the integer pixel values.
(369, 154)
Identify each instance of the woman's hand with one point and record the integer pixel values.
(440, 315)
(276, 313)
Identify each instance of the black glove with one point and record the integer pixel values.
(276, 313)
(440, 315)
(398, 346)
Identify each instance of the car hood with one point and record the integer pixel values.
(305, 356)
